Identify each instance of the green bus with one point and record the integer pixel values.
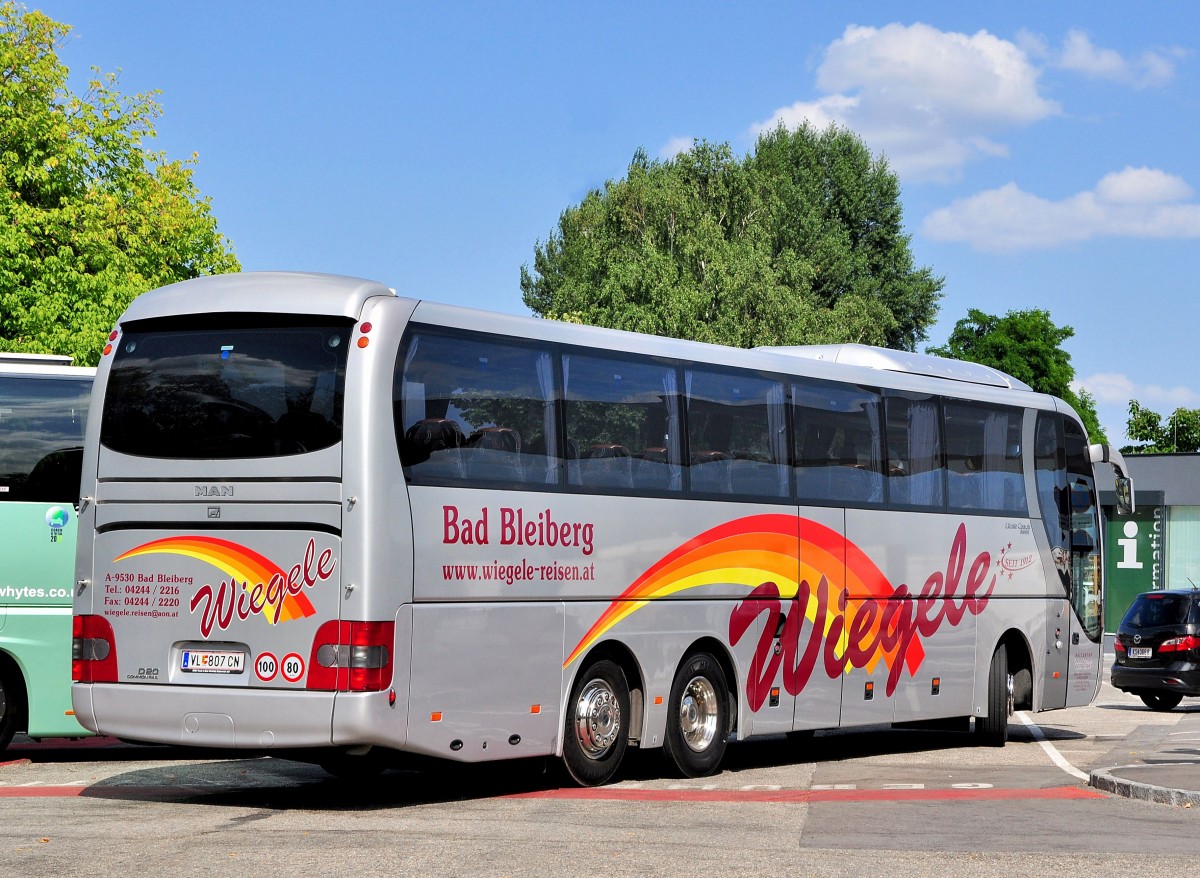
(43, 406)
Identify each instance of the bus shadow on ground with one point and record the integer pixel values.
(274, 783)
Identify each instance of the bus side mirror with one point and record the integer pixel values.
(1125, 495)
(1124, 485)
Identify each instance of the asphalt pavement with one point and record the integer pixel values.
(1159, 769)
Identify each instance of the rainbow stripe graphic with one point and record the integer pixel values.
(240, 564)
(784, 549)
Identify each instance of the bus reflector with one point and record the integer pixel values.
(352, 656)
(93, 650)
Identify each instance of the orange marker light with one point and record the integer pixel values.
(435, 717)
(107, 350)
(363, 342)
(535, 708)
(658, 699)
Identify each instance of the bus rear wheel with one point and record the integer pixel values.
(596, 734)
(697, 717)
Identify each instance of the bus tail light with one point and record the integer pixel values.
(93, 650)
(352, 656)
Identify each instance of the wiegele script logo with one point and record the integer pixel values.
(255, 585)
(854, 616)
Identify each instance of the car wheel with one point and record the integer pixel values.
(1160, 701)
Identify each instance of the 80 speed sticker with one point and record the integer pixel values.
(293, 667)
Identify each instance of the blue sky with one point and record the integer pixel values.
(1047, 151)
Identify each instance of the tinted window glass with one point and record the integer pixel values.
(1050, 471)
(41, 438)
(916, 472)
(838, 444)
(983, 458)
(1085, 530)
(1155, 611)
(737, 434)
(248, 387)
(622, 424)
(473, 409)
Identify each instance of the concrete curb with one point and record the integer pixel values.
(1104, 779)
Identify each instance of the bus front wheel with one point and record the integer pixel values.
(992, 730)
(596, 734)
(697, 717)
(8, 712)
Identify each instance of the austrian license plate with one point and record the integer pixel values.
(208, 661)
(1140, 652)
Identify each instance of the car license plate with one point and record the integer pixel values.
(208, 661)
(1140, 652)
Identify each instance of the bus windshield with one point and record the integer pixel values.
(261, 387)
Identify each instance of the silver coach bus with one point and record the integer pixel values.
(320, 515)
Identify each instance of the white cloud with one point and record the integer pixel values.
(675, 146)
(930, 100)
(1133, 203)
(1151, 68)
(1113, 391)
(1113, 388)
(933, 101)
(1142, 186)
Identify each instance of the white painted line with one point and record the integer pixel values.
(1050, 749)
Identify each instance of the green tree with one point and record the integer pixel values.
(89, 218)
(800, 242)
(1180, 433)
(1028, 346)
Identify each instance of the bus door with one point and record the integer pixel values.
(1050, 471)
(1086, 627)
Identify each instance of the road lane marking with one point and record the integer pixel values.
(1051, 750)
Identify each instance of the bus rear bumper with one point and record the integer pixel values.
(193, 716)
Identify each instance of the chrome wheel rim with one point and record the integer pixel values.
(597, 718)
(698, 714)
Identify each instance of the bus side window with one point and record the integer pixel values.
(737, 434)
(983, 457)
(837, 444)
(916, 468)
(471, 409)
(622, 424)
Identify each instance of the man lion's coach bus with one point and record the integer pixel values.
(320, 515)
(43, 407)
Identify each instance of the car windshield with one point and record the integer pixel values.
(1158, 610)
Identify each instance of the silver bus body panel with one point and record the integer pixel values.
(261, 292)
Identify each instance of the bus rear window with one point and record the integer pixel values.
(251, 388)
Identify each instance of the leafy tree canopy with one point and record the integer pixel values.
(1179, 433)
(1028, 346)
(800, 242)
(88, 217)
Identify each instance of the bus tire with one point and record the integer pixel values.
(697, 717)
(992, 730)
(596, 734)
(8, 712)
